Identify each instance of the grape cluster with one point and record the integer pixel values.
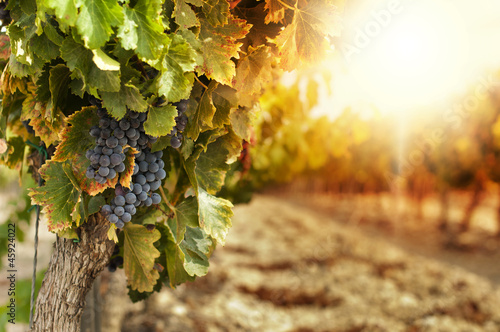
(180, 124)
(111, 137)
(148, 174)
(107, 158)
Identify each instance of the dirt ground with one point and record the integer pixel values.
(302, 263)
(339, 264)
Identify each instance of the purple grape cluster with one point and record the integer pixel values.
(180, 124)
(107, 157)
(147, 176)
(113, 138)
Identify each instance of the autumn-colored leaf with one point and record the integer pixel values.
(219, 44)
(303, 40)
(139, 255)
(59, 197)
(75, 139)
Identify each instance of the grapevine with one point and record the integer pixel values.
(144, 106)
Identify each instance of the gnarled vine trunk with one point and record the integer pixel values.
(72, 270)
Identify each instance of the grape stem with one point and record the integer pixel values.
(170, 206)
(203, 85)
(286, 5)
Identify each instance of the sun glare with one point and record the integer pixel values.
(406, 56)
(418, 60)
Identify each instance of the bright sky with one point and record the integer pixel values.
(401, 55)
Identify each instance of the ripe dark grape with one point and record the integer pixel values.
(181, 121)
(104, 160)
(113, 124)
(112, 142)
(161, 174)
(153, 167)
(120, 200)
(107, 151)
(120, 224)
(130, 198)
(105, 133)
(175, 142)
(115, 159)
(103, 171)
(130, 208)
(124, 124)
(120, 168)
(140, 179)
(112, 218)
(155, 185)
(95, 132)
(126, 217)
(106, 210)
(156, 198)
(142, 196)
(112, 174)
(119, 211)
(137, 188)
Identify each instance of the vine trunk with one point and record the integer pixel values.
(72, 270)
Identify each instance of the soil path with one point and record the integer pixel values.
(292, 265)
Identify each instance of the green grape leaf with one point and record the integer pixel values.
(75, 139)
(59, 78)
(218, 45)
(96, 19)
(44, 47)
(68, 233)
(142, 30)
(65, 10)
(128, 97)
(192, 40)
(201, 115)
(185, 215)
(59, 196)
(160, 120)
(224, 99)
(104, 61)
(197, 248)
(53, 35)
(210, 166)
(176, 78)
(254, 71)
(175, 264)
(95, 203)
(215, 215)
(184, 15)
(216, 11)
(14, 155)
(139, 255)
(303, 41)
(80, 62)
(242, 120)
